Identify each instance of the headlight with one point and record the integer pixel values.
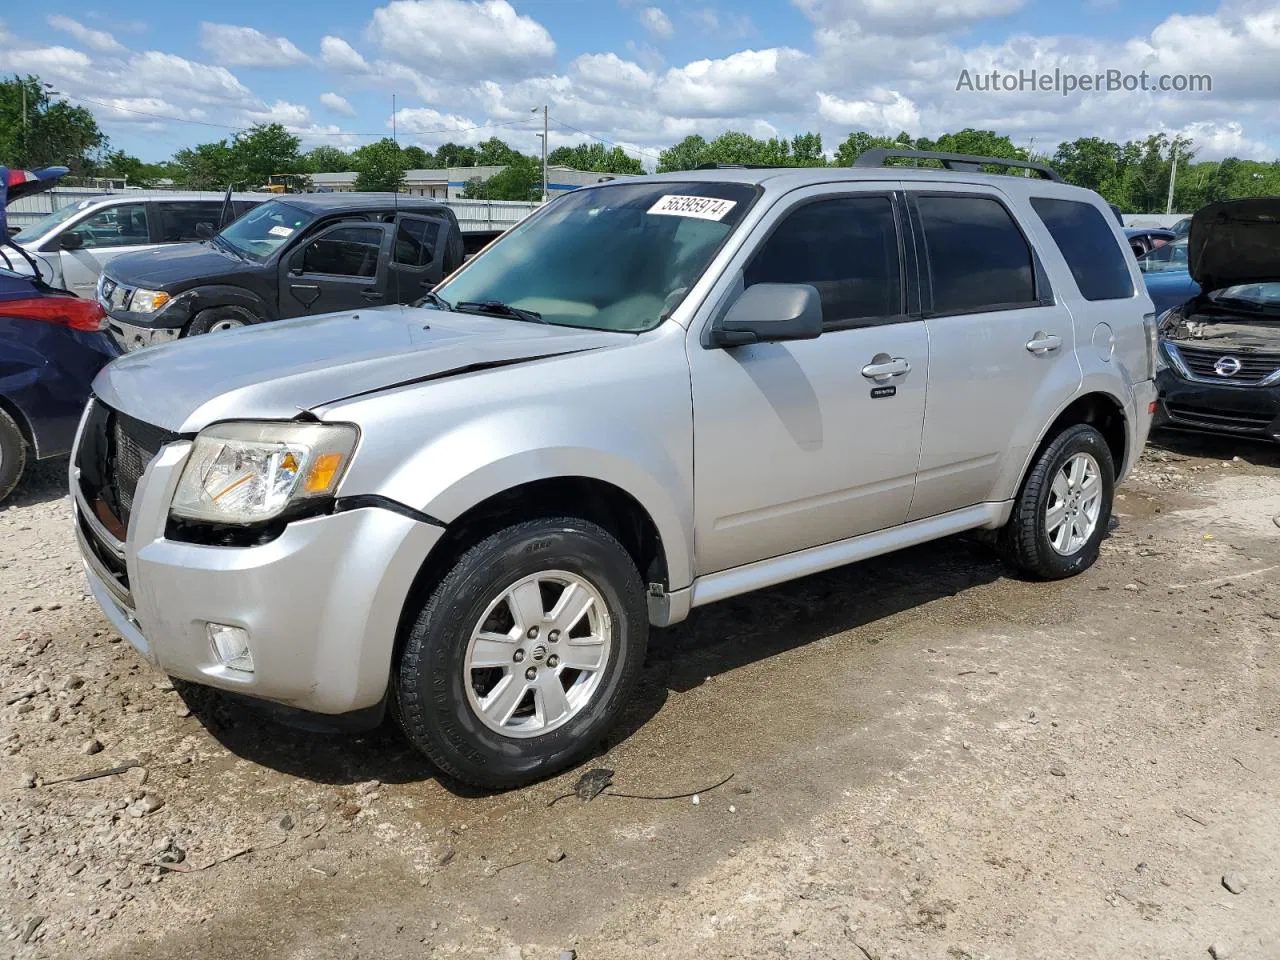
(245, 472)
(148, 301)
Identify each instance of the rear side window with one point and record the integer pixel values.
(178, 219)
(416, 242)
(346, 252)
(1083, 235)
(847, 248)
(978, 258)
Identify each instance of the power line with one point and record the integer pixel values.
(625, 149)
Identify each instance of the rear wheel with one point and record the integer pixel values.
(523, 655)
(13, 454)
(1064, 508)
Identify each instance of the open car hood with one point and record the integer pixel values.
(1235, 242)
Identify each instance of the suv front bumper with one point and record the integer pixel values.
(320, 604)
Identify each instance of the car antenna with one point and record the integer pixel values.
(226, 205)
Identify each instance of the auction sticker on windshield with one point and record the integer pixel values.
(281, 231)
(704, 208)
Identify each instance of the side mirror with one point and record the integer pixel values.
(770, 312)
(70, 241)
(204, 230)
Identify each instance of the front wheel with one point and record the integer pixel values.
(1064, 508)
(216, 320)
(522, 657)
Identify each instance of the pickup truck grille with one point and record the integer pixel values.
(113, 453)
(1203, 362)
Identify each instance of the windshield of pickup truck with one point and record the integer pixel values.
(619, 257)
(265, 229)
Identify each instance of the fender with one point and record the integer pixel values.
(501, 450)
(190, 302)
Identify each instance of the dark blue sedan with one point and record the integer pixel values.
(52, 345)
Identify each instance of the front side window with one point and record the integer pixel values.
(1087, 244)
(124, 225)
(265, 229)
(847, 248)
(46, 223)
(345, 252)
(978, 258)
(618, 257)
(178, 220)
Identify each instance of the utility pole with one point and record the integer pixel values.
(544, 149)
(1173, 176)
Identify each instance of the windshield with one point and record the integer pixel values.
(42, 226)
(265, 229)
(1170, 256)
(619, 257)
(1265, 295)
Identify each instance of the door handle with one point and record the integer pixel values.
(371, 295)
(885, 369)
(1044, 342)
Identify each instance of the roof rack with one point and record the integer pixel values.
(877, 156)
(735, 166)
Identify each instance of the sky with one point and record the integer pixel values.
(646, 73)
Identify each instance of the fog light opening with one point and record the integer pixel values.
(231, 644)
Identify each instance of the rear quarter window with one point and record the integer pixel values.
(1098, 263)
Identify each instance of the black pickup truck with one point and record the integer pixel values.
(293, 256)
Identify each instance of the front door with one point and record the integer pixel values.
(343, 267)
(417, 256)
(808, 442)
(1002, 348)
(103, 235)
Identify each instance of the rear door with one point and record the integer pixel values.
(342, 267)
(417, 256)
(176, 221)
(1002, 348)
(104, 234)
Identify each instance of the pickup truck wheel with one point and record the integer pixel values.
(523, 655)
(13, 455)
(1064, 509)
(215, 320)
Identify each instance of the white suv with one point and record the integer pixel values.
(648, 396)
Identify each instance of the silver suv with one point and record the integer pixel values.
(649, 396)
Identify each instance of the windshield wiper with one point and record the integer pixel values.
(218, 241)
(435, 300)
(499, 309)
(1239, 303)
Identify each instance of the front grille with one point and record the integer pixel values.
(1230, 420)
(113, 454)
(1203, 362)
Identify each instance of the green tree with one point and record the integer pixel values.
(415, 158)
(1088, 162)
(380, 166)
(685, 155)
(206, 166)
(55, 133)
(327, 160)
(264, 149)
(117, 163)
(596, 158)
(494, 152)
(521, 180)
(859, 142)
(453, 155)
(806, 150)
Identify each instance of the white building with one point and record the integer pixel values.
(449, 182)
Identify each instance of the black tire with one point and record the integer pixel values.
(206, 320)
(13, 455)
(429, 681)
(1024, 540)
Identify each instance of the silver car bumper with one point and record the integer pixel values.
(320, 604)
(132, 337)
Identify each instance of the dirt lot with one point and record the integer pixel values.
(929, 759)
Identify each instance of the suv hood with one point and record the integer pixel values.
(277, 370)
(174, 267)
(1235, 242)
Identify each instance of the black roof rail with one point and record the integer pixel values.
(877, 156)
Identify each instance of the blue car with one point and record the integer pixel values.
(1167, 275)
(52, 345)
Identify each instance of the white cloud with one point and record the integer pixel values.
(337, 104)
(733, 26)
(748, 82)
(609, 73)
(95, 39)
(337, 54)
(657, 23)
(145, 111)
(247, 47)
(462, 38)
(884, 112)
(906, 17)
(179, 78)
(281, 112)
(55, 64)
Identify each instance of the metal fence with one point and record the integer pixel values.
(473, 215)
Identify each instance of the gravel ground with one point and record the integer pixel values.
(929, 759)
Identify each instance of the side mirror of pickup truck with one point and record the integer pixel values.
(770, 312)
